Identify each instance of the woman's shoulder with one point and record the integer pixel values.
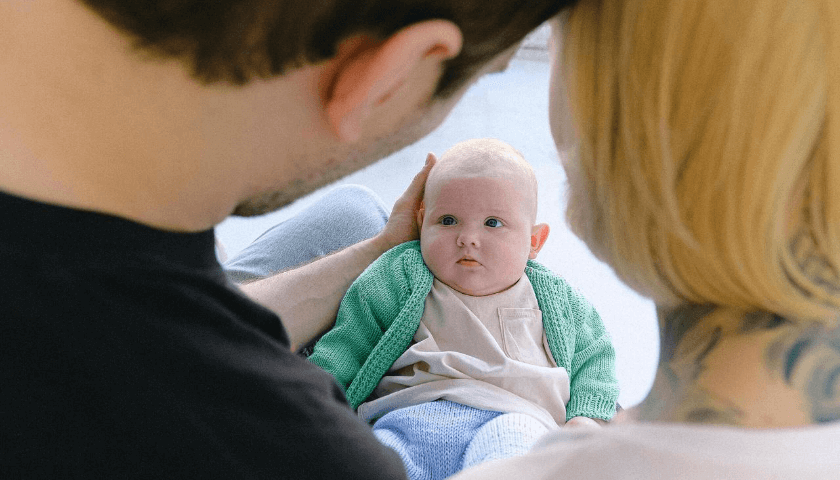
(698, 452)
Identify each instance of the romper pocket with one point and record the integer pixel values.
(522, 335)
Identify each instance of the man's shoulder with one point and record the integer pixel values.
(184, 379)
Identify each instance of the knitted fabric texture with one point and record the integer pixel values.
(381, 312)
(435, 440)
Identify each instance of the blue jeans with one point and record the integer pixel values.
(345, 216)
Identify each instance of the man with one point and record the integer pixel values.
(127, 130)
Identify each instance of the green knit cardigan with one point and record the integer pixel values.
(381, 312)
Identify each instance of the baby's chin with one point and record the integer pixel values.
(474, 292)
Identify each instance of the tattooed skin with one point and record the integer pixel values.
(813, 265)
(755, 369)
(809, 360)
(689, 336)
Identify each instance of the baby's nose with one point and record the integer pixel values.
(469, 236)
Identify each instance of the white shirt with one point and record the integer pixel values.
(485, 352)
(672, 451)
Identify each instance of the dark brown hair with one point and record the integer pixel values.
(236, 40)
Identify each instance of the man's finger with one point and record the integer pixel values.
(418, 183)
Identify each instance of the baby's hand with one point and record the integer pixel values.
(583, 422)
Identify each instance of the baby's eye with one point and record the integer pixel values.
(493, 223)
(448, 220)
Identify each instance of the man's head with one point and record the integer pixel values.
(235, 41)
(477, 224)
(290, 95)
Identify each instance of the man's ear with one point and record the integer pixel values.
(539, 234)
(373, 71)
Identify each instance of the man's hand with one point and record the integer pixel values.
(307, 297)
(402, 224)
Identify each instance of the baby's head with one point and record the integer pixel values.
(477, 223)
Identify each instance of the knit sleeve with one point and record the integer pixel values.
(353, 351)
(594, 386)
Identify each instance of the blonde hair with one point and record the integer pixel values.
(708, 149)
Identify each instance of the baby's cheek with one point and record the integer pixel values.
(432, 254)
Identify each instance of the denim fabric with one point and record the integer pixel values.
(345, 216)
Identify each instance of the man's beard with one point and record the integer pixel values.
(351, 161)
(274, 199)
(265, 203)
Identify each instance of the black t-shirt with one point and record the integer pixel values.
(126, 353)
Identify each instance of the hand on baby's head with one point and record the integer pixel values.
(477, 228)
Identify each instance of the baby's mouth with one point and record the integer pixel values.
(468, 262)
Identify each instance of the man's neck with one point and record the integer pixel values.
(751, 369)
(115, 188)
(87, 121)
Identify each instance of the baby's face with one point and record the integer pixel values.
(475, 233)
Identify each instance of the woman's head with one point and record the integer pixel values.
(707, 159)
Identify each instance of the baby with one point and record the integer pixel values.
(460, 348)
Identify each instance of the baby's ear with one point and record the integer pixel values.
(539, 234)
